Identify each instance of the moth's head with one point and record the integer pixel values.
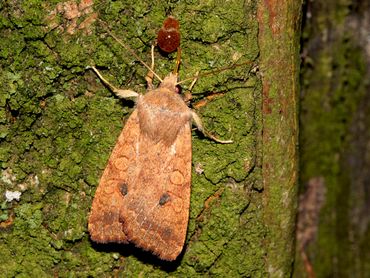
(169, 82)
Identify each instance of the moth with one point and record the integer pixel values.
(143, 196)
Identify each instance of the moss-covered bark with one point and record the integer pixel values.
(334, 138)
(59, 124)
(279, 46)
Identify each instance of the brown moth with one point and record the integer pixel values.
(143, 196)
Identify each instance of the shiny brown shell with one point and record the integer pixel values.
(168, 39)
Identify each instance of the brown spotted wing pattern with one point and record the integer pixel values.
(144, 193)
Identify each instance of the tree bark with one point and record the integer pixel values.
(279, 55)
(334, 218)
(59, 124)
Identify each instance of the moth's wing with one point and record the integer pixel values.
(104, 221)
(144, 193)
(155, 210)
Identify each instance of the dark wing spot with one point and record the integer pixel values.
(165, 198)
(166, 232)
(123, 188)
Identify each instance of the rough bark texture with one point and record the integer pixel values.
(279, 47)
(59, 125)
(335, 138)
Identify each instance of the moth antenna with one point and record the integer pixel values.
(131, 52)
(215, 71)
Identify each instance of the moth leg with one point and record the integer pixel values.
(119, 92)
(194, 81)
(196, 119)
(187, 94)
(198, 123)
(149, 77)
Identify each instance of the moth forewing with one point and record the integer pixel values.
(143, 196)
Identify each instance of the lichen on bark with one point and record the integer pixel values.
(334, 136)
(64, 123)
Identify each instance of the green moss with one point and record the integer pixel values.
(65, 123)
(329, 107)
(11, 45)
